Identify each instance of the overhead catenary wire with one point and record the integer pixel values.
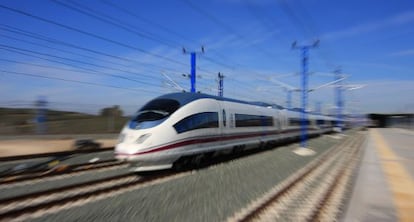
(224, 26)
(46, 59)
(45, 46)
(67, 27)
(223, 63)
(55, 23)
(73, 81)
(261, 15)
(93, 72)
(148, 21)
(325, 52)
(84, 33)
(308, 27)
(71, 60)
(70, 45)
(166, 29)
(69, 52)
(84, 69)
(113, 21)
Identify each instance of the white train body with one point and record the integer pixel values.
(188, 124)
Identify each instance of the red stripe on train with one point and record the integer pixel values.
(211, 139)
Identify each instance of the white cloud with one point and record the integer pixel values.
(399, 19)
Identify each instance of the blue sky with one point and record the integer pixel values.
(86, 55)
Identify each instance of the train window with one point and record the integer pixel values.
(153, 113)
(197, 121)
(158, 108)
(294, 122)
(245, 120)
(224, 118)
(320, 121)
(297, 122)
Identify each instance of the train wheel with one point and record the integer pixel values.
(238, 149)
(262, 145)
(197, 160)
(181, 164)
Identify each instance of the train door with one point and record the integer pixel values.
(224, 120)
(278, 123)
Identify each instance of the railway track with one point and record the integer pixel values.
(315, 193)
(58, 171)
(29, 206)
(56, 154)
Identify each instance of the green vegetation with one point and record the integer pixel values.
(22, 121)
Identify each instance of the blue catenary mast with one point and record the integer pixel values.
(220, 85)
(304, 116)
(339, 102)
(193, 72)
(193, 68)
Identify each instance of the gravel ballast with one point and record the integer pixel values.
(210, 194)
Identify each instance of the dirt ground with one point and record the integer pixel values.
(34, 146)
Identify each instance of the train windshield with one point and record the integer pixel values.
(154, 113)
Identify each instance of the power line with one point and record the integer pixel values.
(58, 24)
(295, 19)
(50, 60)
(41, 66)
(141, 75)
(112, 21)
(223, 25)
(37, 44)
(74, 29)
(325, 54)
(73, 81)
(161, 27)
(89, 34)
(207, 58)
(165, 29)
(148, 21)
(55, 41)
(66, 44)
(93, 72)
(309, 29)
(152, 23)
(258, 16)
(45, 46)
(72, 60)
(218, 62)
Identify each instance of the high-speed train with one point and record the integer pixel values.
(178, 129)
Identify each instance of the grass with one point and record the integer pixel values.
(22, 121)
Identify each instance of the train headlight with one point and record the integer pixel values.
(142, 138)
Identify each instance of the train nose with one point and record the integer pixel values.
(126, 148)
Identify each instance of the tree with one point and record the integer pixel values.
(114, 111)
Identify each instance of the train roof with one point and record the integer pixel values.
(185, 97)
